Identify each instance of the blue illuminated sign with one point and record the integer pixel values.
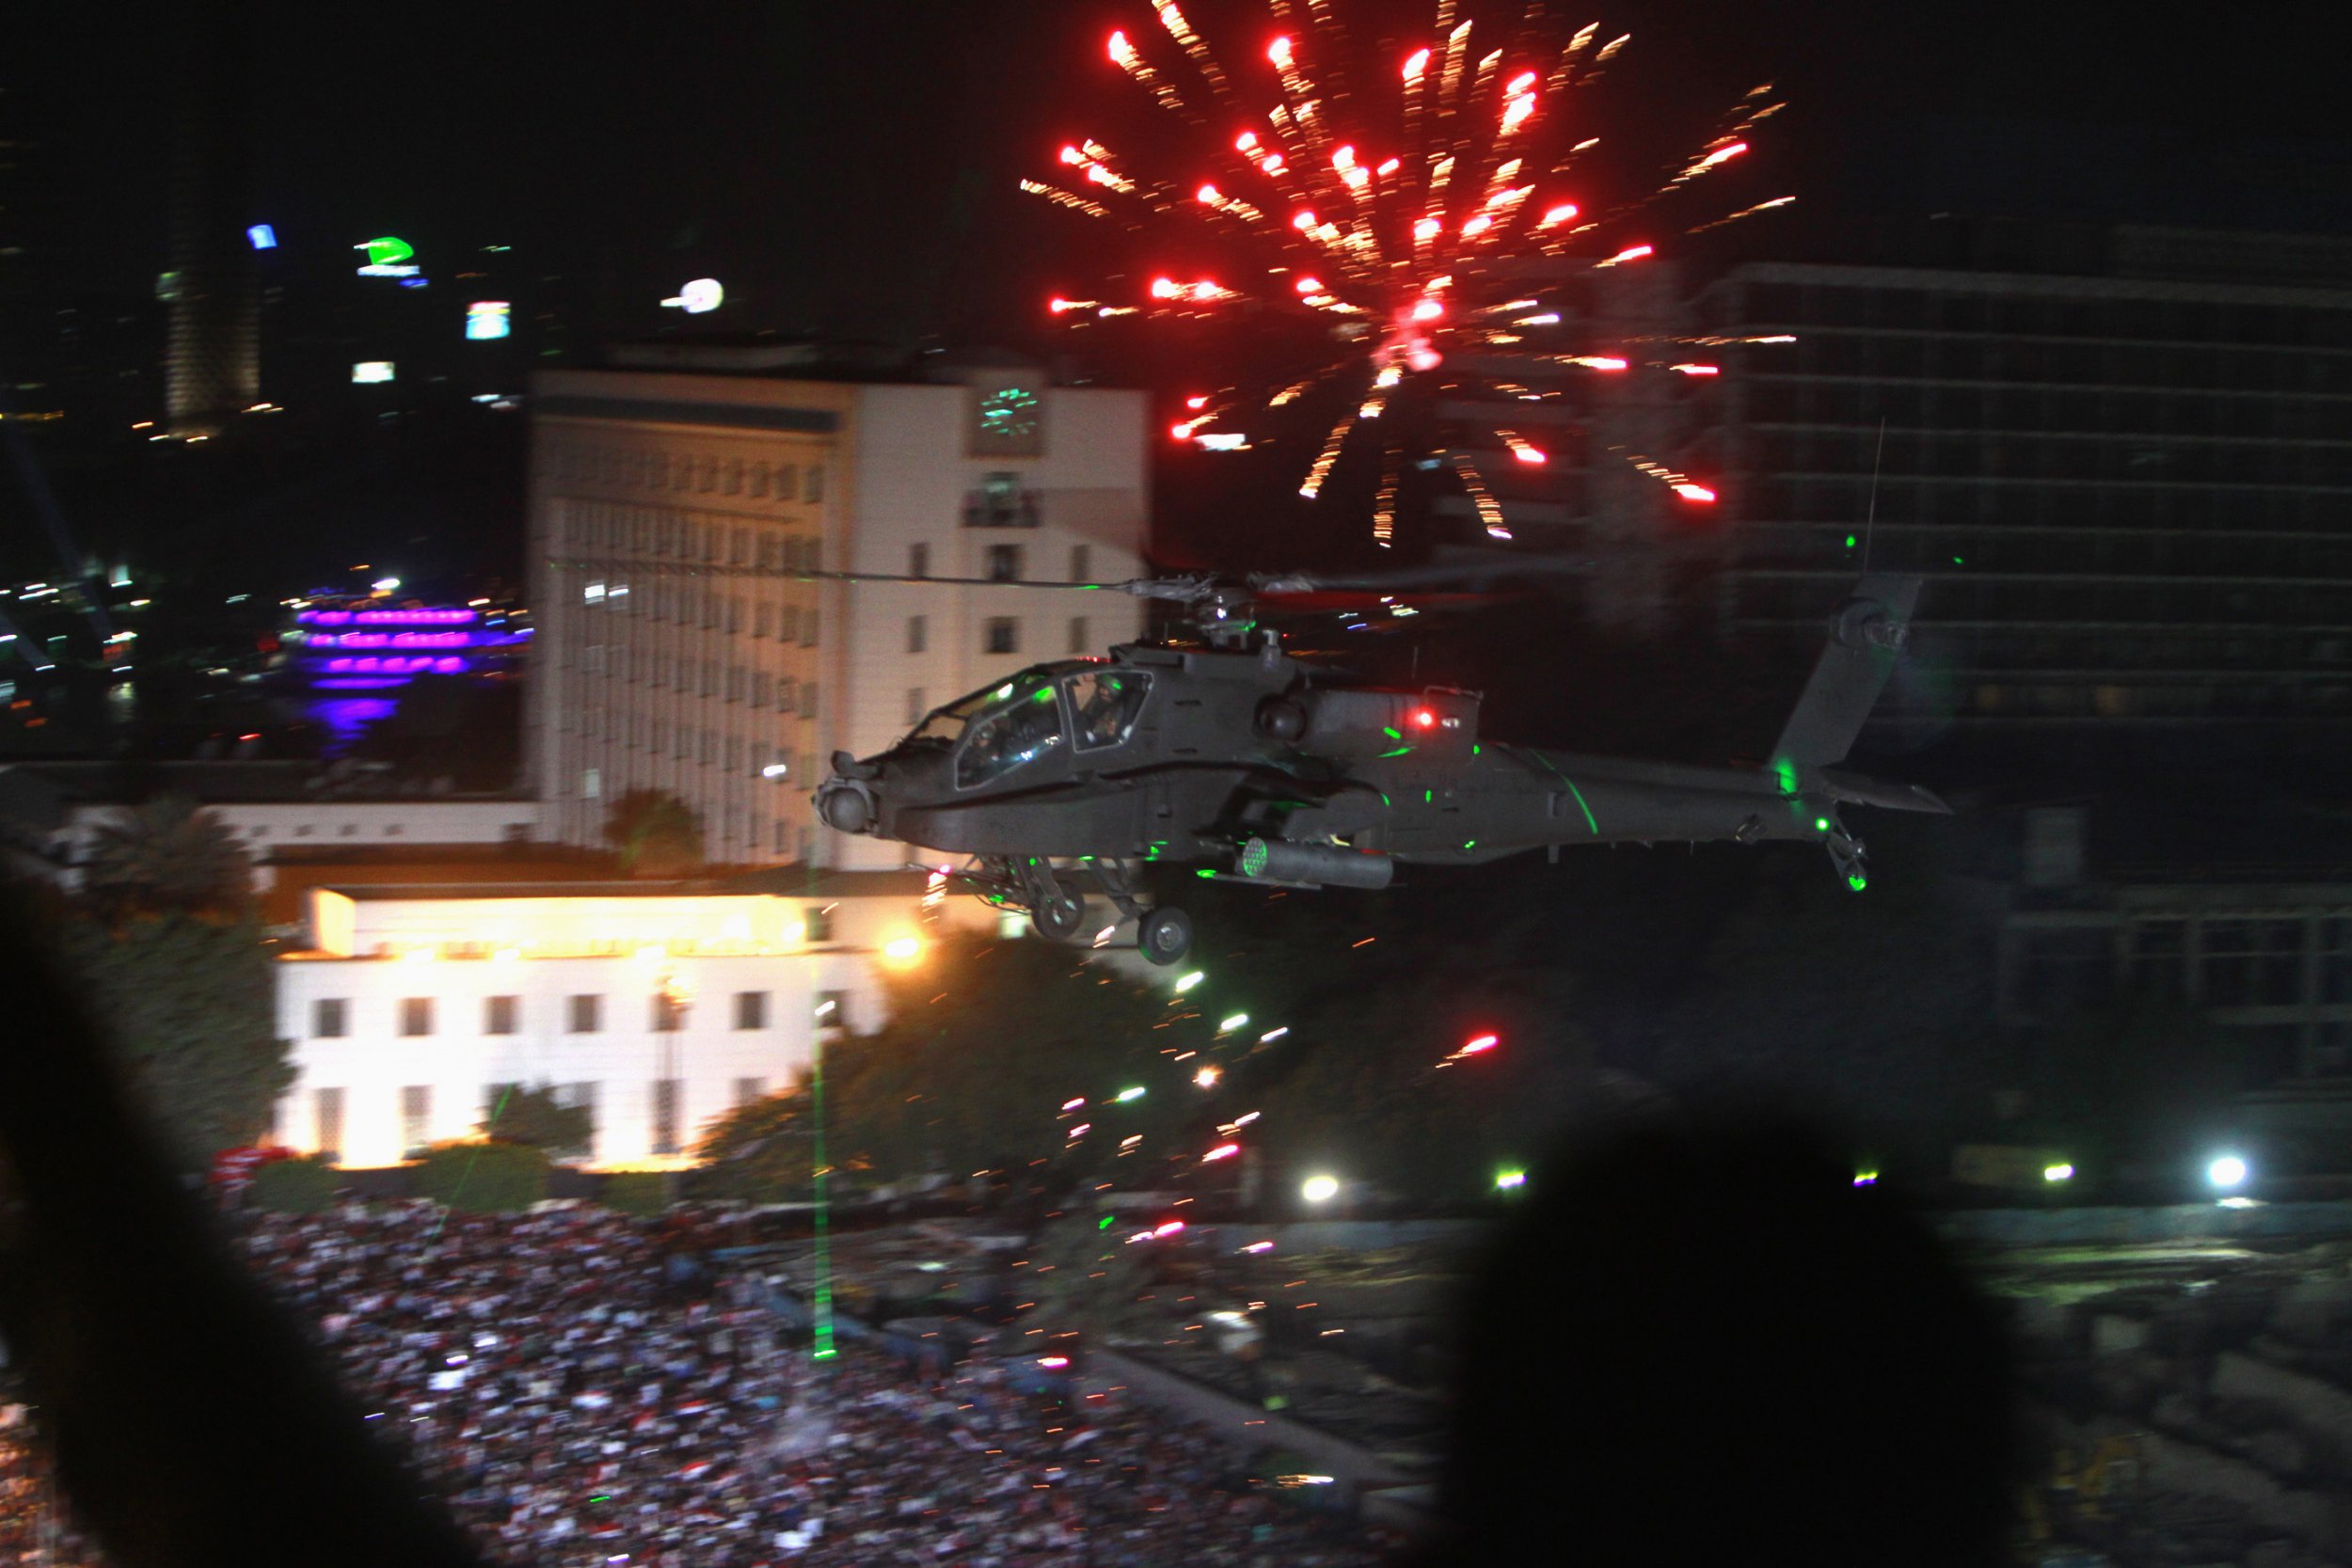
(263, 236)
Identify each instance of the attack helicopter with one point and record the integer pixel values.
(1221, 754)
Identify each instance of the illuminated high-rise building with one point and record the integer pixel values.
(677, 652)
(212, 366)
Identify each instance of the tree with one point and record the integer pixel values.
(986, 1041)
(524, 1113)
(188, 1007)
(483, 1178)
(657, 834)
(165, 855)
(760, 1151)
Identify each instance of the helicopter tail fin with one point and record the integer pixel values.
(1866, 636)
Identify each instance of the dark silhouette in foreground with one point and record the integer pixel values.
(1703, 1346)
(193, 1426)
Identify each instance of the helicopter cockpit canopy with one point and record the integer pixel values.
(1001, 728)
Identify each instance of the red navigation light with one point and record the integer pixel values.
(1699, 493)
(1482, 1042)
(1423, 719)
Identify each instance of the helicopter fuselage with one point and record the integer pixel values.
(1226, 747)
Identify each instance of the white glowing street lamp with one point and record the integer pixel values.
(1319, 1189)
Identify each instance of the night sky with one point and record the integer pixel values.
(849, 168)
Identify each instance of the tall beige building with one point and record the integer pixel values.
(676, 651)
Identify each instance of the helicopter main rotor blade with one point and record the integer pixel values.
(1182, 590)
(1476, 573)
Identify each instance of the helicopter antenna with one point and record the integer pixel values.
(1870, 518)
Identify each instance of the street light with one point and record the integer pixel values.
(2227, 1171)
(1319, 1189)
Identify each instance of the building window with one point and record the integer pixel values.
(1079, 641)
(916, 706)
(918, 633)
(416, 1119)
(812, 484)
(585, 1015)
(501, 1014)
(666, 1109)
(1081, 564)
(751, 1010)
(1004, 564)
(331, 1018)
(919, 560)
(1002, 635)
(808, 628)
(833, 1010)
(668, 1013)
(749, 1089)
(416, 1015)
(327, 1121)
(808, 699)
(788, 480)
(817, 926)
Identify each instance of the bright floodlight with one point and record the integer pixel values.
(775, 770)
(1319, 1189)
(899, 950)
(2060, 1172)
(1507, 1180)
(2227, 1170)
(385, 585)
(701, 294)
(1187, 981)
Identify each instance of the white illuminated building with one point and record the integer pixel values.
(660, 664)
(658, 1007)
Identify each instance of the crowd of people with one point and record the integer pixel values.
(584, 1398)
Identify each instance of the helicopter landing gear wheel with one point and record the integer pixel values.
(1058, 911)
(1163, 935)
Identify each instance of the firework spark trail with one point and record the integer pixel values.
(1402, 213)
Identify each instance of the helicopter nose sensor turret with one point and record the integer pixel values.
(847, 805)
